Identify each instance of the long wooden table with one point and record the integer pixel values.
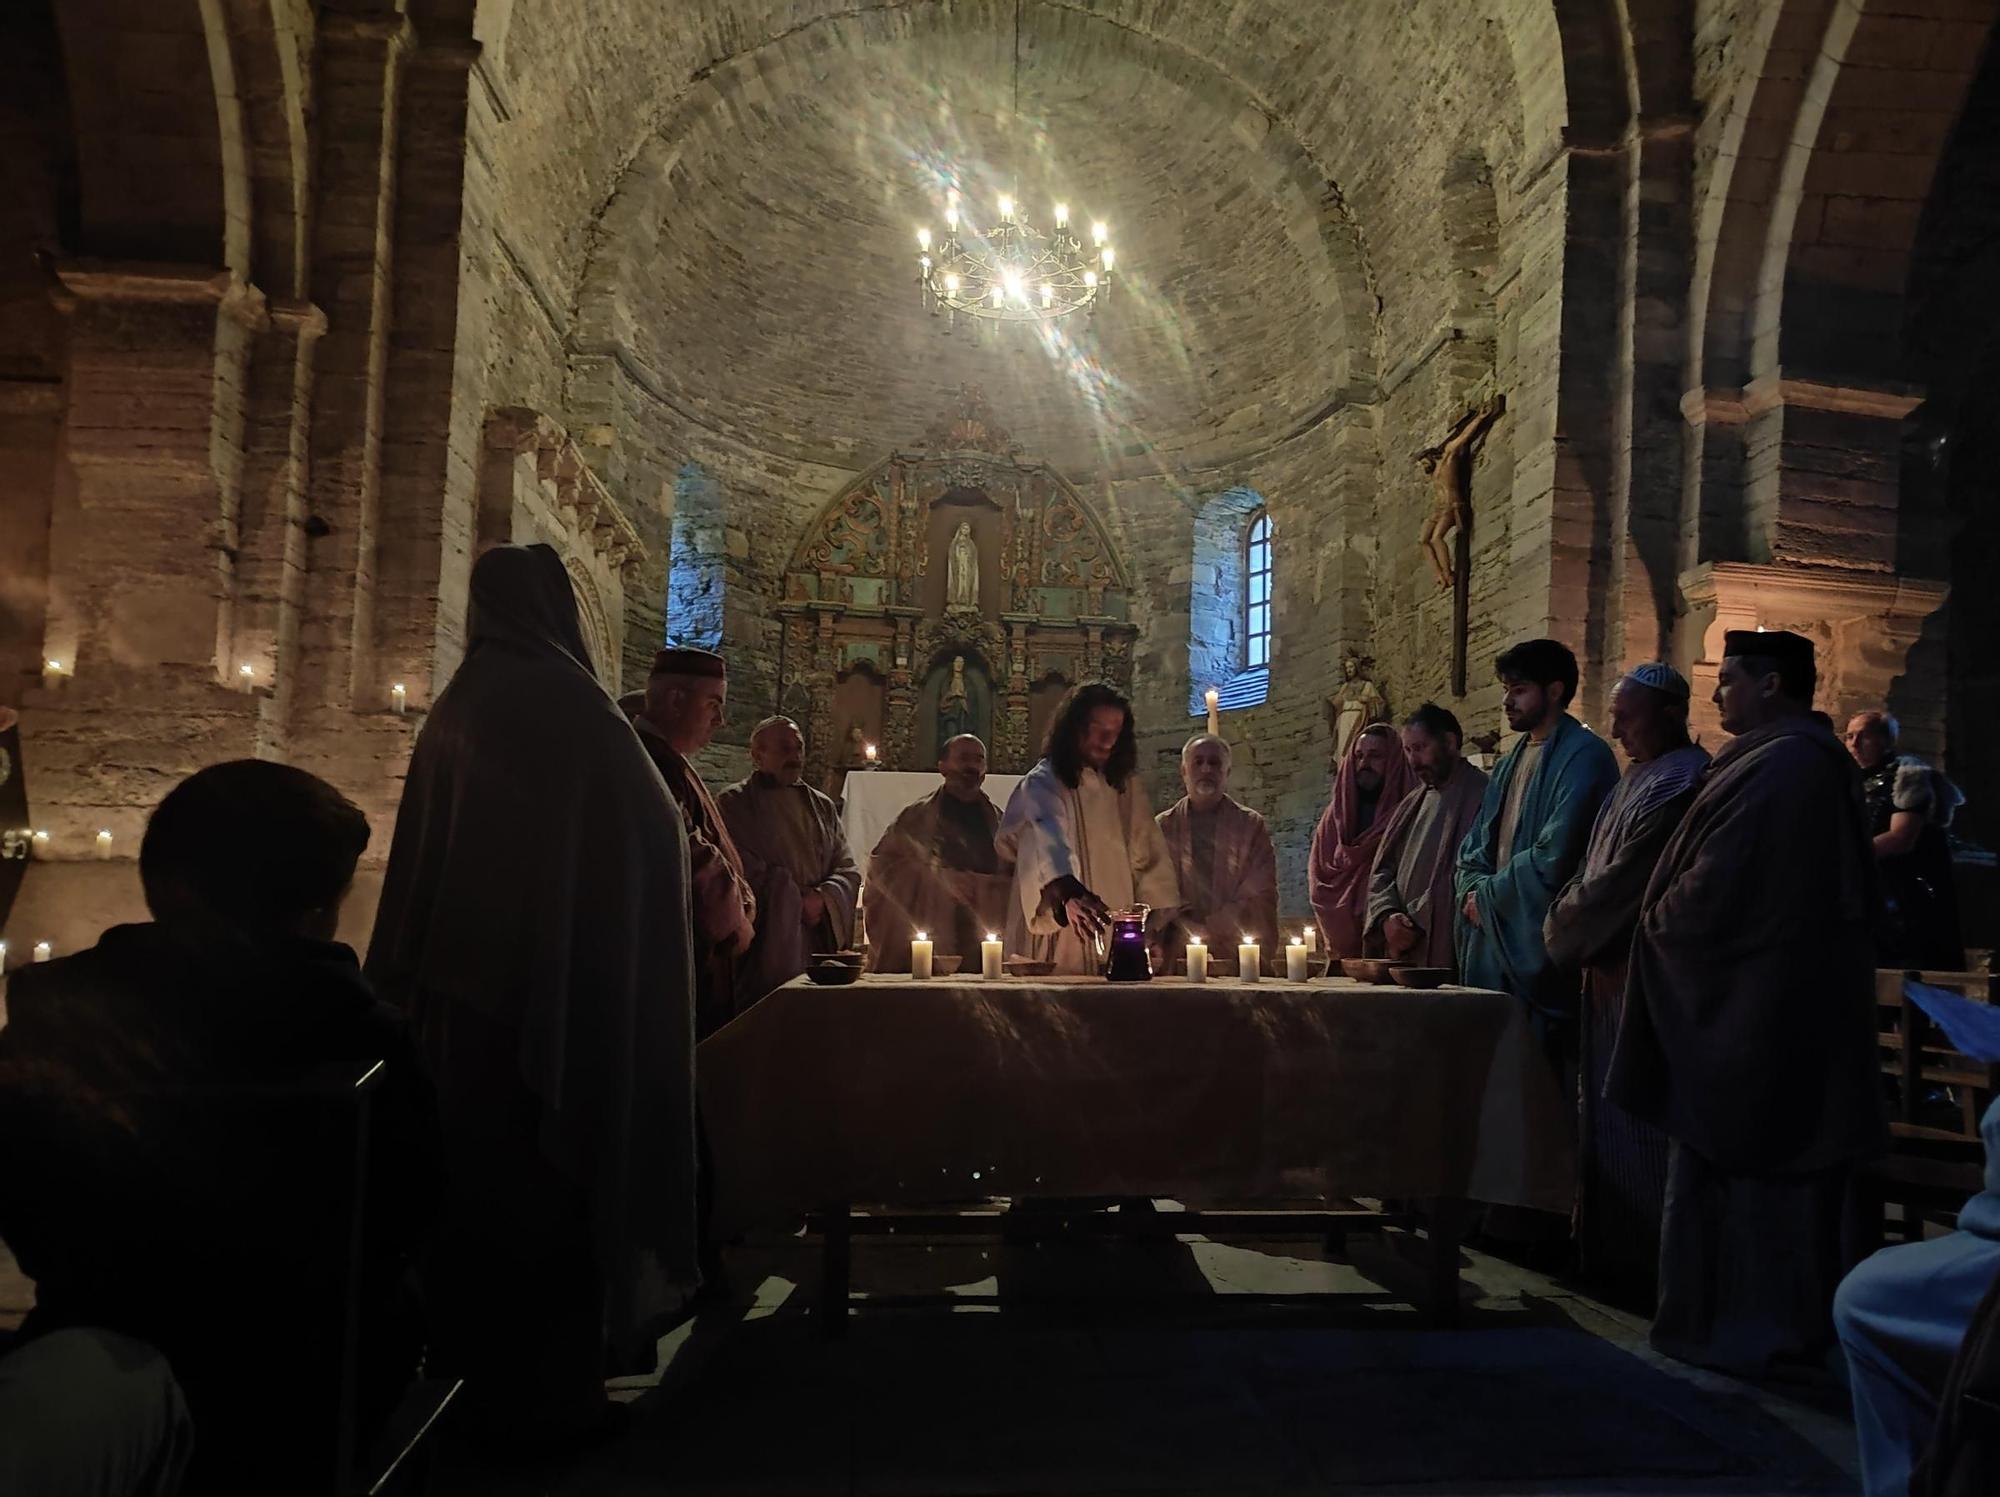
(893, 1092)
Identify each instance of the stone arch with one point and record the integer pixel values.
(1216, 633)
(604, 651)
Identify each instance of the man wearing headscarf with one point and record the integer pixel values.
(796, 856)
(1622, 1162)
(1411, 913)
(676, 717)
(1749, 1028)
(1373, 780)
(1222, 853)
(1083, 838)
(534, 925)
(1529, 838)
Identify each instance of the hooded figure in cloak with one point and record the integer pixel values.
(534, 925)
(1374, 778)
(1749, 1029)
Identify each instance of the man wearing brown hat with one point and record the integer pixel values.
(676, 717)
(1749, 1026)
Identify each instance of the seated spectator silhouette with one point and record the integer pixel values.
(165, 1172)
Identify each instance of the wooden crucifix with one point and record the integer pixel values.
(1449, 465)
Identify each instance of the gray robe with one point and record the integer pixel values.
(1416, 864)
(792, 844)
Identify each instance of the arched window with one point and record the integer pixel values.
(1257, 595)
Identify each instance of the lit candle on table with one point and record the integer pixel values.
(1214, 699)
(920, 957)
(1310, 935)
(104, 843)
(1249, 961)
(989, 956)
(1295, 961)
(399, 698)
(1197, 961)
(868, 753)
(42, 951)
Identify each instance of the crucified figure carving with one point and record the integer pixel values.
(1449, 465)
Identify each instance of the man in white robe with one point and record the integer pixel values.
(1083, 839)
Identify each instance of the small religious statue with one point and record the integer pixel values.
(954, 707)
(857, 746)
(1357, 702)
(1449, 465)
(961, 588)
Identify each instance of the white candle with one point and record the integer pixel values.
(399, 698)
(989, 956)
(1213, 697)
(1295, 962)
(1249, 961)
(1197, 961)
(921, 950)
(868, 752)
(247, 675)
(104, 843)
(1310, 935)
(42, 952)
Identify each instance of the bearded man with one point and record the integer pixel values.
(1373, 779)
(936, 868)
(1222, 853)
(796, 856)
(1083, 839)
(1411, 909)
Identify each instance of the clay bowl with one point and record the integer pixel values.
(837, 959)
(946, 966)
(1027, 966)
(1365, 968)
(833, 974)
(1421, 977)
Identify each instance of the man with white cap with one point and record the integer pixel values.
(1622, 1162)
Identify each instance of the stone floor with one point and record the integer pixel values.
(1195, 1367)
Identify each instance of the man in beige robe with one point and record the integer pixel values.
(1083, 839)
(1222, 855)
(795, 855)
(1411, 903)
(936, 870)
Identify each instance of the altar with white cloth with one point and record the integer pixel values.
(872, 798)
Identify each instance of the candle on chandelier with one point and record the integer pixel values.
(923, 239)
(1108, 256)
(1297, 963)
(1062, 215)
(1099, 233)
(989, 957)
(922, 950)
(1006, 209)
(1197, 960)
(1249, 961)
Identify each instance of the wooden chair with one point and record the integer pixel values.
(1933, 1166)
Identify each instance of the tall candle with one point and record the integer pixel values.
(1249, 961)
(42, 952)
(246, 675)
(1295, 962)
(399, 698)
(104, 844)
(920, 957)
(1197, 961)
(1310, 935)
(1214, 698)
(868, 753)
(989, 956)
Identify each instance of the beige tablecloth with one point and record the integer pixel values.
(897, 1092)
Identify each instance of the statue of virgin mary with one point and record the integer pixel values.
(961, 589)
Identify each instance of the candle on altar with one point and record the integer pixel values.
(1310, 935)
(921, 950)
(989, 957)
(1214, 699)
(1197, 961)
(1249, 961)
(43, 951)
(1296, 959)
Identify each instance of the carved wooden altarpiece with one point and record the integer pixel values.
(865, 594)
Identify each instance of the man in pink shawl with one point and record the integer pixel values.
(1373, 779)
(534, 925)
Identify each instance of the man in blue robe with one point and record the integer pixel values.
(1533, 826)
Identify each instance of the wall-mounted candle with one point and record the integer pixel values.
(1197, 961)
(1249, 961)
(104, 842)
(1214, 699)
(246, 673)
(399, 698)
(921, 951)
(1310, 935)
(42, 951)
(989, 957)
(1296, 960)
(53, 671)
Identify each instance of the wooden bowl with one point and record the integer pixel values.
(1421, 977)
(1365, 968)
(1027, 966)
(833, 974)
(946, 966)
